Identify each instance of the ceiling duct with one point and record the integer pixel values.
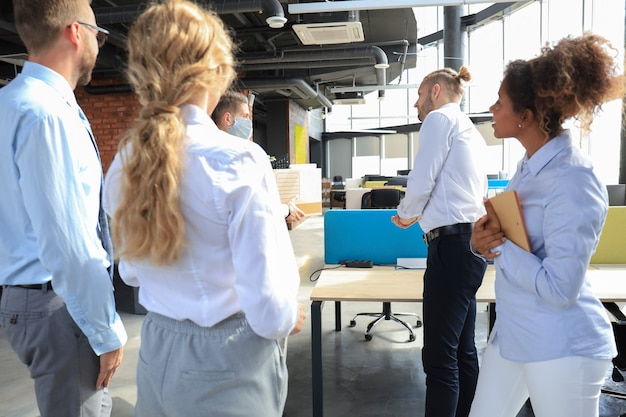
(296, 85)
(350, 98)
(306, 58)
(330, 28)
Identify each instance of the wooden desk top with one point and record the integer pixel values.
(407, 285)
(381, 283)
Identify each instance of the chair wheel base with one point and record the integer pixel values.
(412, 338)
(418, 324)
(368, 337)
(352, 323)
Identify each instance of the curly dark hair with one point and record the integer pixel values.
(571, 79)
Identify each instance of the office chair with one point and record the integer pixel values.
(381, 198)
(619, 362)
(337, 187)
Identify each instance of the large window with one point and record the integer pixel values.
(490, 47)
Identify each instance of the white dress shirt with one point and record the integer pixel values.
(447, 182)
(238, 255)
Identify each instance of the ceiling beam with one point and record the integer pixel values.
(370, 88)
(348, 5)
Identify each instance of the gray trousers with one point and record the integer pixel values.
(226, 370)
(58, 355)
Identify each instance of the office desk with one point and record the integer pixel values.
(384, 284)
(340, 194)
(353, 197)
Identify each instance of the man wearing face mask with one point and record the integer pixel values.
(233, 115)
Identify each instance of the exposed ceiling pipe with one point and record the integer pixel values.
(303, 64)
(127, 14)
(350, 5)
(319, 54)
(307, 56)
(297, 85)
(272, 8)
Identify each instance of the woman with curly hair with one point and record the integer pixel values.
(198, 226)
(552, 341)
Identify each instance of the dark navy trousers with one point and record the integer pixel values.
(453, 275)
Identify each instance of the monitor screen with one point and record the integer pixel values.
(617, 194)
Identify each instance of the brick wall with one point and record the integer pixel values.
(110, 115)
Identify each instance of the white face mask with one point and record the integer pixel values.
(242, 128)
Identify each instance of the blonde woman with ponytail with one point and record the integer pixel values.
(197, 223)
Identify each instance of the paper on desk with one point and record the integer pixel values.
(411, 263)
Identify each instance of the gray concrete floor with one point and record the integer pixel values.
(382, 377)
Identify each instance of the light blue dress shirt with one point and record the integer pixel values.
(50, 178)
(545, 307)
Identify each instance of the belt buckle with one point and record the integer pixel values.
(430, 236)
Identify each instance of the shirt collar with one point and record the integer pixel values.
(193, 115)
(52, 78)
(451, 104)
(547, 152)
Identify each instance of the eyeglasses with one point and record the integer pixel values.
(101, 34)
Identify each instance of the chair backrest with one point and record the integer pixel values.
(338, 183)
(382, 198)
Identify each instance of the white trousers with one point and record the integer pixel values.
(565, 387)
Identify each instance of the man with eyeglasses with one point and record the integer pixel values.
(57, 307)
(101, 33)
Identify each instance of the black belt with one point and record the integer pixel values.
(45, 286)
(453, 229)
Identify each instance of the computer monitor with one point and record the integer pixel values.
(374, 177)
(617, 194)
(399, 180)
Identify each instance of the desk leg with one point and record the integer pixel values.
(337, 316)
(492, 316)
(316, 358)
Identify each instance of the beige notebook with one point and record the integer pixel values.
(509, 212)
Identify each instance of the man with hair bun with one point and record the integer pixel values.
(445, 192)
(552, 341)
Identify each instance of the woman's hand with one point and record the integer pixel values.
(487, 233)
(300, 322)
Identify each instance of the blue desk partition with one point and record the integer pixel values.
(498, 183)
(369, 235)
